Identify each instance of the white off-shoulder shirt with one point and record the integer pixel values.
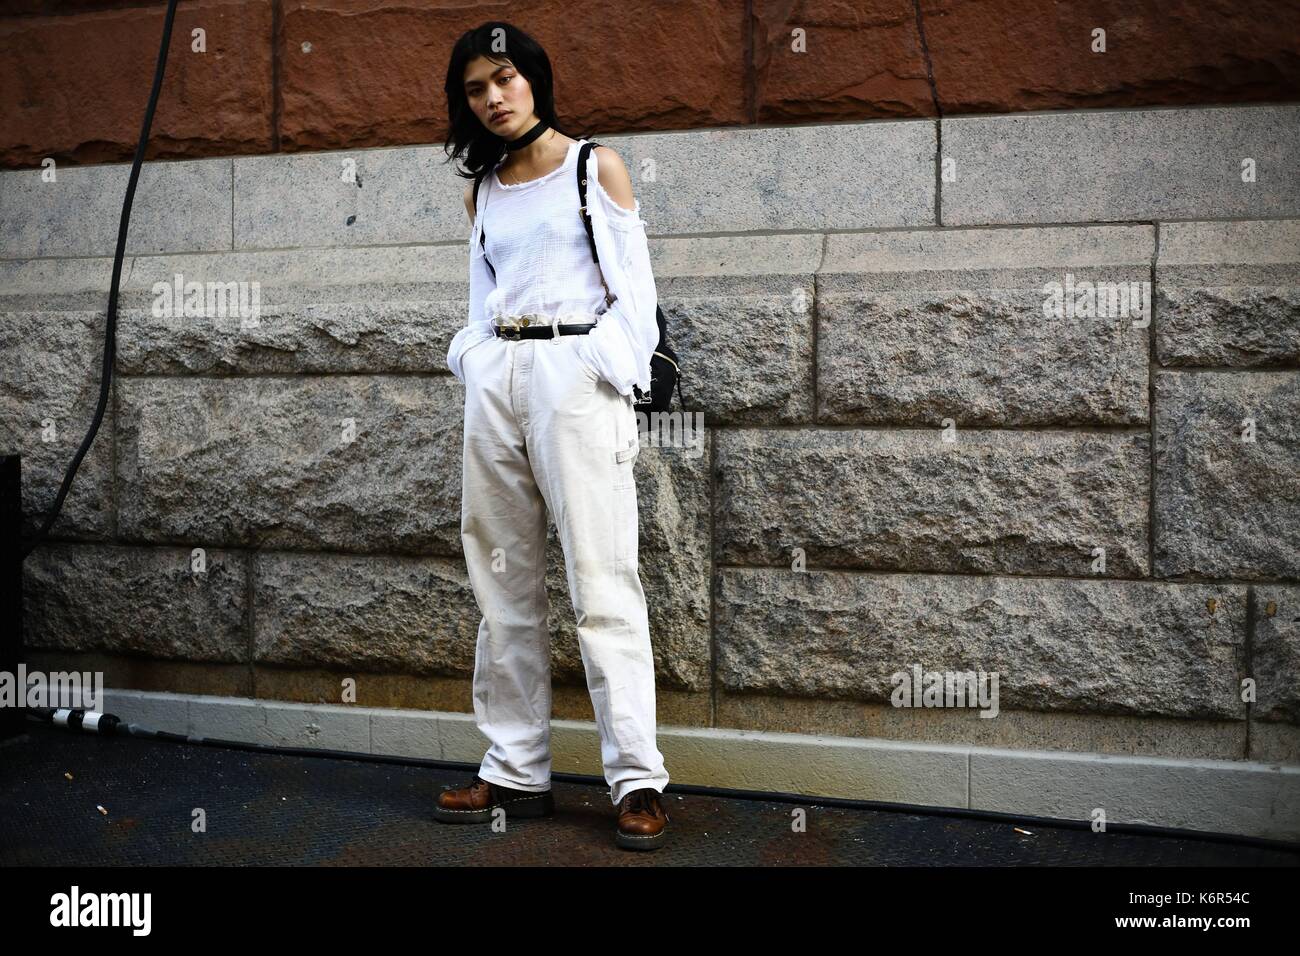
(536, 241)
(538, 246)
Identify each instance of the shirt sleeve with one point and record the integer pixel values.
(478, 327)
(621, 350)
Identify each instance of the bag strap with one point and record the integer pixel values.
(583, 152)
(482, 233)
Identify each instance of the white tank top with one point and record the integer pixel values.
(538, 245)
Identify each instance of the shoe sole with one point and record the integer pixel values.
(520, 808)
(641, 841)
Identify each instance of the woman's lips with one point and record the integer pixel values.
(500, 117)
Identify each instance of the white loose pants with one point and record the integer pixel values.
(543, 430)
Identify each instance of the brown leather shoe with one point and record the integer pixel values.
(642, 821)
(475, 802)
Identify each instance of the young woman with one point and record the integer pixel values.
(549, 358)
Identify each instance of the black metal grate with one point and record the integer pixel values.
(272, 809)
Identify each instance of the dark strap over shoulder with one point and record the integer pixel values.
(583, 153)
(482, 233)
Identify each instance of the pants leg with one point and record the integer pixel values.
(503, 533)
(543, 430)
(583, 441)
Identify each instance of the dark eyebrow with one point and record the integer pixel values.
(503, 66)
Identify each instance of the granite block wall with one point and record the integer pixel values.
(1014, 394)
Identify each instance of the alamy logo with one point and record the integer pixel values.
(1098, 300)
(946, 689)
(672, 430)
(208, 300)
(102, 909)
(77, 690)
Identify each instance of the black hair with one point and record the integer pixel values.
(466, 135)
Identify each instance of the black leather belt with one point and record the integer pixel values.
(540, 330)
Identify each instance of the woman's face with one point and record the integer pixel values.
(499, 90)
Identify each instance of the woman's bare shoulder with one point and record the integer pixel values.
(469, 202)
(614, 177)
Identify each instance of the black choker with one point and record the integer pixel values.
(537, 130)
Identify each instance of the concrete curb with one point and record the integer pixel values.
(1220, 796)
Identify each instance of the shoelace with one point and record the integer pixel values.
(640, 801)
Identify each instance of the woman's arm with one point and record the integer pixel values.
(478, 327)
(621, 350)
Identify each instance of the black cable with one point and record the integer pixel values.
(110, 335)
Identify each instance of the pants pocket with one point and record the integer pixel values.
(627, 438)
(580, 343)
(626, 523)
(627, 444)
(473, 350)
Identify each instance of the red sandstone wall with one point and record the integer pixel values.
(75, 74)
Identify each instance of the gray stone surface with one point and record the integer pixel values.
(1255, 242)
(299, 270)
(49, 387)
(990, 502)
(405, 733)
(1274, 742)
(1229, 293)
(1275, 653)
(371, 613)
(1111, 647)
(831, 176)
(1226, 507)
(982, 252)
(382, 613)
(407, 194)
(978, 356)
(43, 278)
(719, 338)
(265, 462)
(348, 198)
(329, 727)
(151, 601)
(916, 327)
(177, 206)
(1253, 323)
(1217, 796)
(228, 718)
(1120, 165)
(404, 335)
(158, 710)
(286, 274)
